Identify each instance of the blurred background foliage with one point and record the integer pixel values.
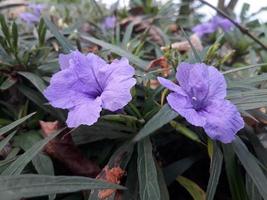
(163, 156)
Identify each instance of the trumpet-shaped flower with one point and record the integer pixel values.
(34, 16)
(213, 25)
(87, 84)
(109, 22)
(200, 99)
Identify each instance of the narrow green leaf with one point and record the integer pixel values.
(9, 127)
(164, 116)
(4, 142)
(252, 167)
(35, 80)
(234, 176)
(5, 29)
(215, 172)
(252, 191)
(164, 193)
(25, 186)
(127, 35)
(15, 36)
(6, 84)
(66, 45)
(195, 191)
(147, 172)
(243, 68)
(185, 131)
(17, 166)
(178, 168)
(141, 64)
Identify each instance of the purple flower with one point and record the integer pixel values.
(37, 8)
(213, 25)
(34, 16)
(87, 84)
(222, 23)
(200, 98)
(29, 18)
(109, 22)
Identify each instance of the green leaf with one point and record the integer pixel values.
(25, 186)
(163, 116)
(141, 64)
(164, 193)
(215, 172)
(179, 167)
(4, 142)
(66, 45)
(15, 36)
(6, 84)
(127, 35)
(185, 131)
(250, 99)
(234, 176)
(147, 172)
(42, 163)
(35, 80)
(251, 166)
(5, 28)
(9, 127)
(195, 191)
(252, 191)
(99, 131)
(17, 166)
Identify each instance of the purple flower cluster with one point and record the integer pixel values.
(87, 84)
(213, 25)
(200, 98)
(109, 22)
(32, 17)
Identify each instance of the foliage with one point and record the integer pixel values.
(163, 156)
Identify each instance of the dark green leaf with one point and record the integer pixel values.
(252, 167)
(115, 49)
(195, 191)
(179, 167)
(4, 142)
(147, 172)
(66, 45)
(17, 166)
(215, 171)
(35, 80)
(9, 127)
(9, 82)
(164, 116)
(233, 171)
(25, 186)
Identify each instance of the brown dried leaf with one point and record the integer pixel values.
(63, 149)
(112, 175)
(141, 25)
(161, 62)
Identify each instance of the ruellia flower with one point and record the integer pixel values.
(109, 22)
(212, 26)
(200, 99)
(87, 84)
(35, 14)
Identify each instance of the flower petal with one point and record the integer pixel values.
(223, 121)
(217, 84)
(182, 105)
(193, 79)
(117, 81)
(204, 28)
(171, 86)
(86, 113)
(63, 90)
